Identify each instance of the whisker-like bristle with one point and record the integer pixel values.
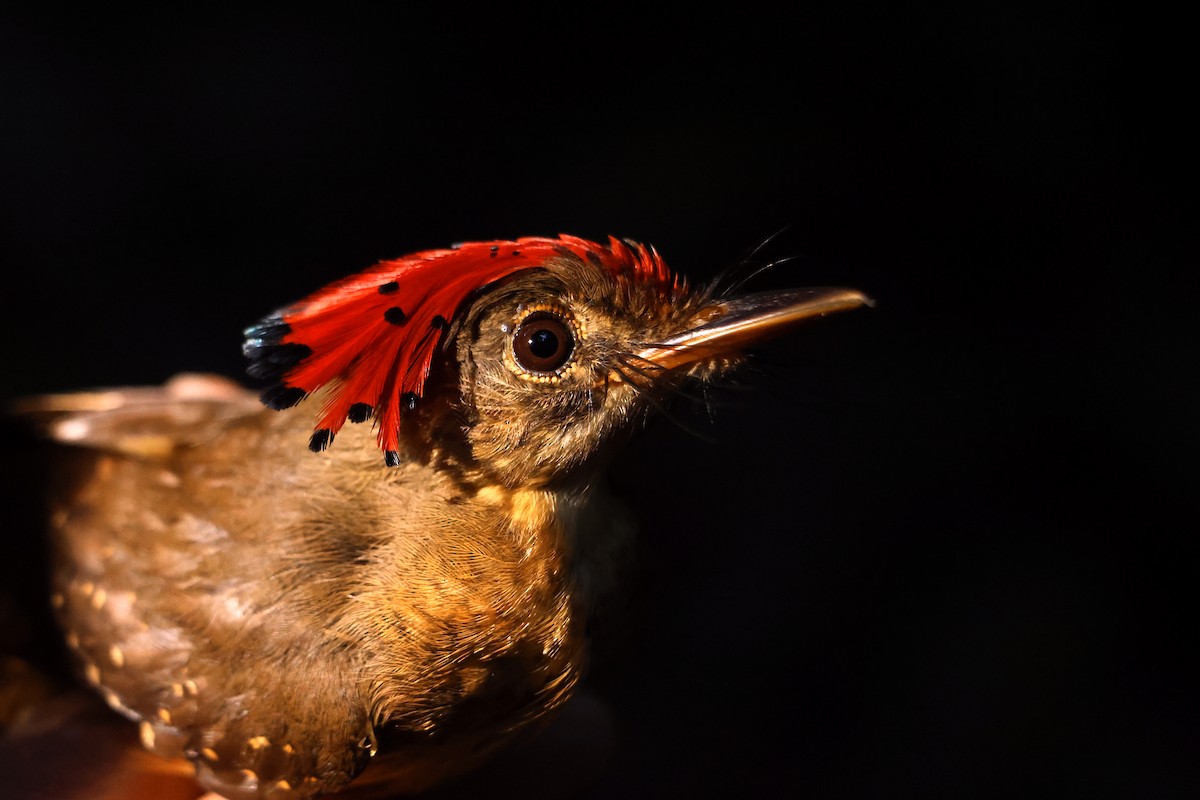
(736, 286)
(649, 397)
(720, 382)
(656, 380)
(731, 273)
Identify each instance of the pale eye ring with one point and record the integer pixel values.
(543, 343)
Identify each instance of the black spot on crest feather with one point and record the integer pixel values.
(270, 330)
(274, 360)
(321, 438)
(281, 396)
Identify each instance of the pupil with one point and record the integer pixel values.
(543, 343)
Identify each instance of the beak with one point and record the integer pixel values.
(731, 325)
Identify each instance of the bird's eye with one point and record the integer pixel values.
(543, 343)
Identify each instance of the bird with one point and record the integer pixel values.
(299, 603)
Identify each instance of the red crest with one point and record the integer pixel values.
(372, 336)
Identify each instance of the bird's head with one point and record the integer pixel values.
(518, 360)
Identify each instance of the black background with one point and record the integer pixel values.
(943, 547)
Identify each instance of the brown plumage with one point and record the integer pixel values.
(286, 620)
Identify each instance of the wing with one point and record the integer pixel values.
(143, 422)
(180, 567)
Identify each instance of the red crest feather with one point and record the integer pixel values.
(372, 336)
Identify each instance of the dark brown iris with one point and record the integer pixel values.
(543, 343)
